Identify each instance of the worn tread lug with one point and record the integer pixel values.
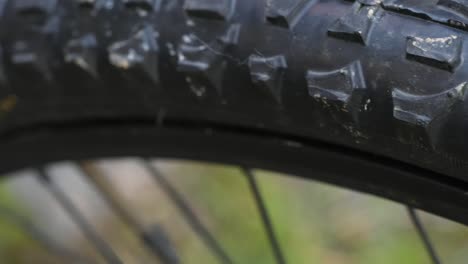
(427, 111)
(210, 9)
(201, 61)
(34, 6)
(148, 5)
(96, 5)
(82, 52)
(31, 57)
(443, 52)
(290, 17)
(453, 13)
(139, 53)
(349, 79)
(357, 25)
(232, 35)
(345, 87)
(370, 2)
(268, 74)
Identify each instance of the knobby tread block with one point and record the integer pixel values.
(357, 25)
(345, 87)
(210, 9)
(427, 111)
(337, 85)
(232, 35)
(34, 6)
(148, 5)
(88, 4)
(140, 52)
(459, 6)
(267, 73)
(200, 60)
(442, 52)
(287, 17)
(82, 52)
(422, 110)
(32, 57)
(452, 13)
(96, 4)
(370, 2)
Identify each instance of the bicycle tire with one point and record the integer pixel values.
(377, 80)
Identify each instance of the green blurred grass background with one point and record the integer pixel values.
(315, 222)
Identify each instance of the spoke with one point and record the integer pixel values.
(189, 214)
(424, 235)
(110, 196)
(36, 234)
(267, 223)
(158, 239)
(155, 239)
(102, 247)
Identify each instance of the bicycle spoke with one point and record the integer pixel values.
(102, 247)
(36, 234)
(267, 223)
(109, 196)
(155, 240)
(423, 234)
(158, 239)
(189, 214)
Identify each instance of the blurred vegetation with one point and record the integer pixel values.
(16, 245)
(316, 223)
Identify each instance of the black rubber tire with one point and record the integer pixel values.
(386, 78)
